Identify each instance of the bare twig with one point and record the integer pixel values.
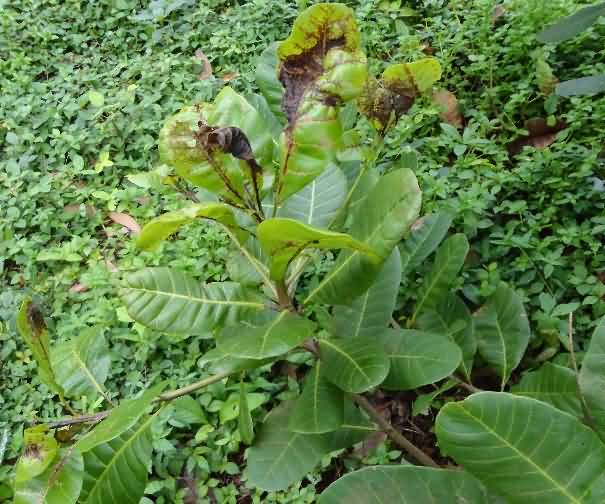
(588, 420)
(390, 431)
(166, 396)
(469, 387)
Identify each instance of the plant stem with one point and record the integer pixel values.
(390, 431)
(166, 396)
(467, 386)
(588, 420)
(282, 295)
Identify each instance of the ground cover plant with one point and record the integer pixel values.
(550, 254)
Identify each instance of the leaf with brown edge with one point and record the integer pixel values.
(206, 71)
(450, 110)
(540, 136)
(321, 65)
(126, 221)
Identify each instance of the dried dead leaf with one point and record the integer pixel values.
(450, 110)
(206, 72)
(229, 76)
(126, 221)
(497, 12)
(79, 287)
(541, 135)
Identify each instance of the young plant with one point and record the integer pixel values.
(287, 180)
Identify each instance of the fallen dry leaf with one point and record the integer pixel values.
(206, 72)
(541, 135)
(229, 76)
(79, 287)
(497, 12)
(450, 110)
(125, 220)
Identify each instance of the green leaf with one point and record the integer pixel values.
(502, 331)
(317, 204)
(405, 485)
(592, 377)
(583, 86)
(321, 65)
(371, 313)
(268, 81)
(448, 263)
(572, 25)
(419, 358)
(355, 428)
(354, 365)
(246, 427)
(552, 384)
(274, 122)
(230, 409)
(39, 450)
(281, 457)
(274, 338)
(95, 98)
(186, 410)
(220, 362)
(167, 300)
(380, 222)
(426, 235)
(523, 449)
(117, 469)
(283, 239)
(416, 77)
(32, 328)
(121, 418)
(451, 317)
(60, 483)
(82, 365)
(319, 408)
(162, 227)
(423, 402)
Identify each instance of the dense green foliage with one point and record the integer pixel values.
(80, 115)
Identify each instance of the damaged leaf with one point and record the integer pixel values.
(31, 326)
(283, 239)
(39, 452)
(222, 147)
(450, 110)
(386, 99)
(160, 228)
(321, 65)
(540, 136)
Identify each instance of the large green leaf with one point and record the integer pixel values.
(552, 384)
(370, 313)
(355, 428)
(276, 337)
(523, 449)
(32, 328)
(502, 331)
(592, 377)
(380, 222)
(168, 300)
(40, 448)
(572, 25)
(121, 418)
(354, 365)
(116, 471)
(160, 228)
(321, 65)
(268, 82)
(82, 364)
(319, 408)
(60, 483)
(583, 86)
(283, 239)
(419, 358)
(318, 202)
(405, 485)
(218, 361)
(448, 263)
(426, 235)
(451, 317)
(281, 457)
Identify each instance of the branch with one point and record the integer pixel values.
(166, 396)
(390, 431)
